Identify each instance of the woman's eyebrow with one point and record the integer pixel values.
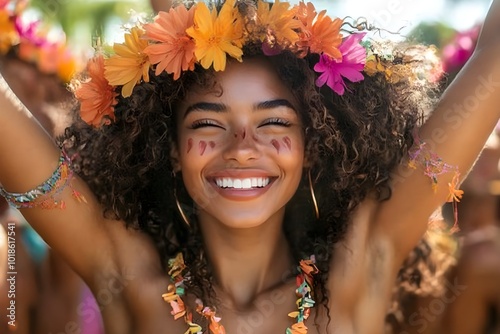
(271, 104)
(221, 107)
(206, 106)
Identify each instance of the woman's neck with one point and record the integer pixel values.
(247, 262)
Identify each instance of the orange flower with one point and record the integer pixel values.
(320, 34)
(53, 58)
(308, 267)
(373, 66)
(279, 22)
(130, 64)
(216, 328)
(66, 66)
(298, 328)
(216, 35)
(97, 98)
(175, 52)
(8, 34)
(48, 57)
(455, 194)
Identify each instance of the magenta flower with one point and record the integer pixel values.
(28, 31)
(458, 52)
(333, 71)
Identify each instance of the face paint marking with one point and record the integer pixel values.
(202, 146)
(276, 145)
(288, 142)
(189, 145)
(211, 144)
(244, 134)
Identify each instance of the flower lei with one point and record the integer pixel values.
(177, 290)
(29, 41)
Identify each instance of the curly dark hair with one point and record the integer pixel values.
(353, 142)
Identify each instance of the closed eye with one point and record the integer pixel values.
(276, 121)
(202, 123)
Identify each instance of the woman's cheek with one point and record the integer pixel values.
(282, 144)
(189, 145)
(203, 146)
(288, 142)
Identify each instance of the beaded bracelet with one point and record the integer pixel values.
(46, 194)
(433, 166)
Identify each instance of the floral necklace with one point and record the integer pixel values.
(177, 290)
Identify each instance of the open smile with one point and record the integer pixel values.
(241, 187)
(242, 183)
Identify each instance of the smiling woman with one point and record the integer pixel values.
(253, 132)
(263, 163)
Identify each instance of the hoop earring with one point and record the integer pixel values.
(181, 212)
(315, 203)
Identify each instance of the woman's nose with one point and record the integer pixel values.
(242, 146)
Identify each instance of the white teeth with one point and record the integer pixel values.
(247, 183)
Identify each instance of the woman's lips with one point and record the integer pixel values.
(241, 184)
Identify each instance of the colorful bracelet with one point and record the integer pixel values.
(433, 166)
(46, 194)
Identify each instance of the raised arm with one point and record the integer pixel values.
(28, 157)
(456, 132)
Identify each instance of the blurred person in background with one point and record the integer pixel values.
(50, 297)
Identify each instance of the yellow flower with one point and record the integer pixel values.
(216, 35)
(373, 65)
(8, 34)
(279, 22)
(130, 64)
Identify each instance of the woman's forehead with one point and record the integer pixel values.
(252, 80)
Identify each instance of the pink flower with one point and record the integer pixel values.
(458, 52)
(3, 4)
(350, 66)
(29, 32)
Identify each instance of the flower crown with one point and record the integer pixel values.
(29, 41)
(187, 35)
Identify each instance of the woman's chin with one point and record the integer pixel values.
(243, 219)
